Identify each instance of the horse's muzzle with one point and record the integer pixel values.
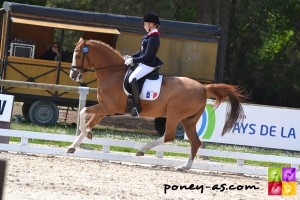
(75, 76)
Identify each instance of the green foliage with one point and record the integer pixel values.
(168, 9)
(274, 43)
(266, 36)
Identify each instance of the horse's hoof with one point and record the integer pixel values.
(71, 150)
(90, 135)
(181, 168)
(139, 153)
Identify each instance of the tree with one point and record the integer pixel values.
(217, 12)
(263, 54)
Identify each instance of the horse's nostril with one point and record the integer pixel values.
(72, 76)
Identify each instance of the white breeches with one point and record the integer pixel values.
(140, 72)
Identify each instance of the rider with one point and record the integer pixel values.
(146, 57)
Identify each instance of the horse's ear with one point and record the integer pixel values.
(80, 40)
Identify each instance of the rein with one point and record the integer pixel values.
(108, 66)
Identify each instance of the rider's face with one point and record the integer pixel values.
(148, 26)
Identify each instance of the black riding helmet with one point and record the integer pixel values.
(151, 17)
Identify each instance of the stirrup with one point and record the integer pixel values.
(135, 112)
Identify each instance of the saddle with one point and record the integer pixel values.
(149, 85)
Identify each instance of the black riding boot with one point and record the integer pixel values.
(136, 99)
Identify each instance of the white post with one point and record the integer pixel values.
(23, 143)
(240, 162)
(159, 154)
(83, 92)
(106, 149)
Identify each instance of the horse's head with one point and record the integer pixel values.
(80, 62)
(88, 53)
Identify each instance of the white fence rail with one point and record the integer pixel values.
(25, 147)
(83, 91)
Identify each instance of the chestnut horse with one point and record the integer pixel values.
(181, 99)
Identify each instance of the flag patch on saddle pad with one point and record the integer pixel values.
(151, 94)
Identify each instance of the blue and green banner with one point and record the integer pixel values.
(260, 126)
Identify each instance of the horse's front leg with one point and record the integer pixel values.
(95, 119)
(85, 130)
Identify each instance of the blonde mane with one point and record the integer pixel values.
(97, 42)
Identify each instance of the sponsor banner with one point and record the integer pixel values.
(6, 105)
(260, 126)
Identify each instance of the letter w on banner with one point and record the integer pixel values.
(6, 105)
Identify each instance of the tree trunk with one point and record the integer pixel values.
(223, 20)
(205, 11)
(233, 49)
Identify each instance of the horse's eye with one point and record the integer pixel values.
(77, 56)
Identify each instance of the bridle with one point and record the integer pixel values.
(85, 50)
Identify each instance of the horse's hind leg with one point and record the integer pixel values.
(150, 145)
(169, 135)
(189, 125)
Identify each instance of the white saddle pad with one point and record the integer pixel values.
(151, 89)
